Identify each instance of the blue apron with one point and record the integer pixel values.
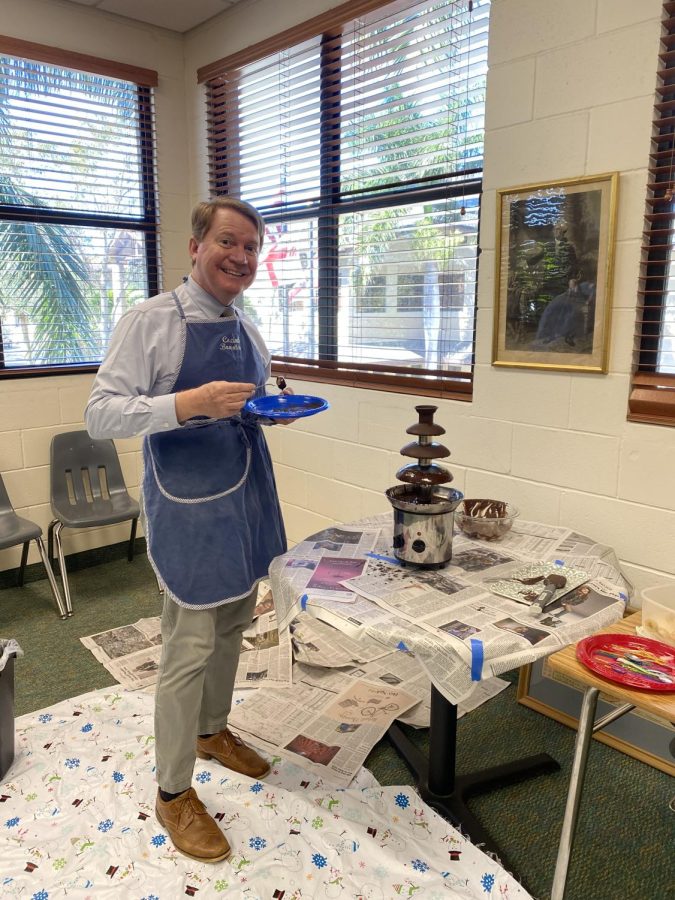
(213, 517)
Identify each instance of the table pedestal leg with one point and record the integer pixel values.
(447, 792)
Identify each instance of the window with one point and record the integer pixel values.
(653, 391)
(360, 140)
(78, 218)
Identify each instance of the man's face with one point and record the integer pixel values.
(225, 261)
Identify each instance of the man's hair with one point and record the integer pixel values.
(203, 213)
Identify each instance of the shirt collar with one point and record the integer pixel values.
(205, 301)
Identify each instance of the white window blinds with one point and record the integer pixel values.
(362, 146)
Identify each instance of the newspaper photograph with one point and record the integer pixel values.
(328, 734)
(328, 577)
(340, 541)
(118, 642)
(403, 670)
(130, 653)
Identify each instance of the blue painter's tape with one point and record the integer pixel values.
(303, 602)
(401, 646)
(476, 659)
(389, 559)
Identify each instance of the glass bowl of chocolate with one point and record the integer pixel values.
(488, 520)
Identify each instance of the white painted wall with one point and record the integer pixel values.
(570, 93)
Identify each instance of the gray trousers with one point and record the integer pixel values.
(200, 653)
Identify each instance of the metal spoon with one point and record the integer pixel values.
(553, 583)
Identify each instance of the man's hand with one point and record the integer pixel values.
(216, 399)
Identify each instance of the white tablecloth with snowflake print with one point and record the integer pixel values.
(76, 820)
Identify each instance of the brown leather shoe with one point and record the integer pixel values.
(193, 831)
(233, 753)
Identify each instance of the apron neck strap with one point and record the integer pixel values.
(180, 309)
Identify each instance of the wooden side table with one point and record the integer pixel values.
(659, 704)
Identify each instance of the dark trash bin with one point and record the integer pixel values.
(9, 650)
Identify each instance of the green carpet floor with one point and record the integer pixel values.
(625, 844)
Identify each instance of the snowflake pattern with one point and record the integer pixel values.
(488, 882)
(318, 867)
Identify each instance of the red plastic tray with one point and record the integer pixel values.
(629, 660)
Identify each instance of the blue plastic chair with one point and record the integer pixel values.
(87, 491)
(15, 530)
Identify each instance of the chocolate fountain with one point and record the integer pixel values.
(424, 511)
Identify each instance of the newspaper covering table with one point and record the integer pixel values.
(450, 620)
(345, 640)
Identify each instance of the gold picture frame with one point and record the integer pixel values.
(554, 266)
(638, 734)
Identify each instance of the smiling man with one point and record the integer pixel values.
(179, 369)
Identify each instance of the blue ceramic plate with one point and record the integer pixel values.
(286, 406)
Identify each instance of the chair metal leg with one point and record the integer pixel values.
(50, 540)
(132, 538)
(62, 567)
(22, 565)
(52, 580)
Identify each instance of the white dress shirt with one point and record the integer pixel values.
(133, 390)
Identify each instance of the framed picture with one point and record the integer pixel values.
(638, 734)
(555, 251)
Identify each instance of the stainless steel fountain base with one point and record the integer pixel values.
(423, 524)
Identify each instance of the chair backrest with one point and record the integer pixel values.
(5, 502)
(83, 470)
